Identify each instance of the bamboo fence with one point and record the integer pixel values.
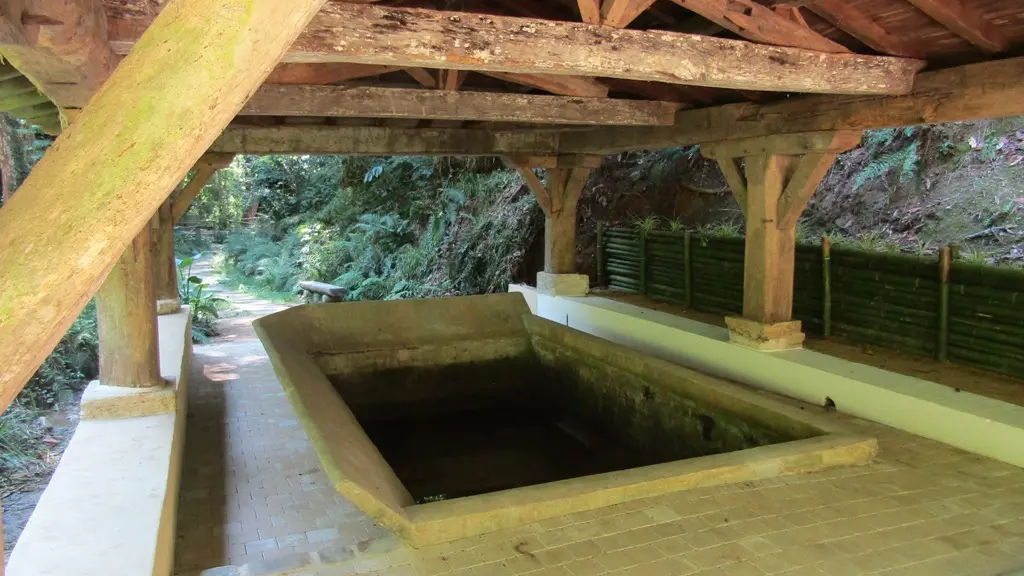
(959, 312)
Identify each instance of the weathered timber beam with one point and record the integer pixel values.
(406, 37)
(109, 172)
(382, 141)
(785, 144)
(60, 45)
(971, 92)
(369, 102)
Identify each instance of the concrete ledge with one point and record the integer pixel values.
(110, 508)
(563, 284)
(99, 401)
(968, 421)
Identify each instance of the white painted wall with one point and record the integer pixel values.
(111, 507)
(975, 423)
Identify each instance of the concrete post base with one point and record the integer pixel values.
(100, 401)
(563, 284)
(169, 306)
(765, 337)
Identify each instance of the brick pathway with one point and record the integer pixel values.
(255, 500)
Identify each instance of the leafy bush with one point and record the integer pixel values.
(203, 306)
(72, 363)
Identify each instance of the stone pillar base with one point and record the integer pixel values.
(563, 284)
(169, 306)
(100, 401)
(766, 337)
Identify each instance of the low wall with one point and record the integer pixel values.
(111, 507)
(974, 423)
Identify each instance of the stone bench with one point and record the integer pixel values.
(321, 291)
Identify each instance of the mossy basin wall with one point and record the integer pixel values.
(450, 417)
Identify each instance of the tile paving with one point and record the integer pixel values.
(255, 501)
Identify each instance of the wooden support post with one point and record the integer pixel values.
(688, 267)
(942, 343)
(126, 319)
(826, 290)
(600, 254)
(558, 198)
(165, 269)
(781, 174)
(105, 176)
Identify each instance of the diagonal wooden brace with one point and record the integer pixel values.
(780, 175)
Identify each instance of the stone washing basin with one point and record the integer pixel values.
(452, 417)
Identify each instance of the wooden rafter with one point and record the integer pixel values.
(590, 11)
(857, 24)
(619, 13)
(581, 86)
(965, 23)
(759, 23)
(422, 76)
(324, 73)
(371, 102)
(369, 34)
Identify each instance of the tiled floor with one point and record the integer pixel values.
(253, 493)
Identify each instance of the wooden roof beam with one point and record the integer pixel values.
(369, 34)
(581, 86)
(373, 102)
(964, 23)
(324, 73)
(60, 45)
(384, 141)
(971, 92)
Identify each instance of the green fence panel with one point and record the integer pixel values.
(986, 317)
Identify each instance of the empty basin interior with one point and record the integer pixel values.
(549, 412)
(413, 404)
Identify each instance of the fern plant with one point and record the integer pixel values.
(904, 161)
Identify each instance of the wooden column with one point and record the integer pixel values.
(780, 174)
(558, 198)
(165, 269)
(126, 319)
(109, 172)
(170, 212)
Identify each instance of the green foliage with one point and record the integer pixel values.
(188, 242)
(204, 306)
(21, 449)
(723, 229)
(387, 228)
(893, 153)
(675, 225)
(73, 362)
(647, 224)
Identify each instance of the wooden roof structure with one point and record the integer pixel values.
(147, 87)
(503, 76)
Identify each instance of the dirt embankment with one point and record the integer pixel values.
(912, 189)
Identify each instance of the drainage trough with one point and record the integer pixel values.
(451, 417)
